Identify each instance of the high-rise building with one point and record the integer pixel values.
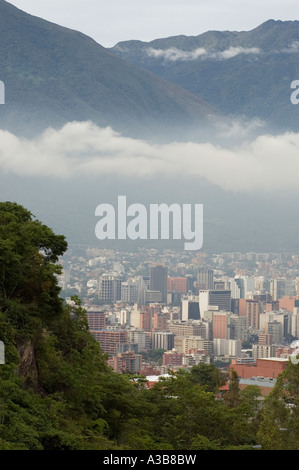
(172, 359)
(260, 351)
(135, 316)
(289, 303)
(227, 347)
(177, 284)
(163, 340)
(251, 309)
(282, 317)
(238, 327)
(274, 328)
(237, 290)
(272, 305)
(214, 300)
(242, 286)
(158, 280)
(281, 287)
(265, 339)
(110, 340)
(180, 328)
(137, 336)
(183, 344)
(295, 322)
(227, 325)
(190, 309)
(130, 292)
(123, 316)
(153, 296)
(249, 285)
(159, 321)
(205, 279)
(146, 319)
(127, 362)
(110, 288)
(96, 319)
(220, 329)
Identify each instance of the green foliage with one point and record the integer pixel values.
(232, 398)
(52, 383)
(208, 376)
(155, 355)
(189, 417)
(279, 428)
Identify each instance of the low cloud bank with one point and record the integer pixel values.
(173, 54)
(268, 163)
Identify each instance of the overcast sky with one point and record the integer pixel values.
(111, 21)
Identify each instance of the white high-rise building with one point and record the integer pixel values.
(190, 308)
(260, 351)
(282, 287)
(214, 300)
(163, 340)
(295, 323)
(227, 347)
(135, 316)
(235, 288)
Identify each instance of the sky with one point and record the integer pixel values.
(109, 22)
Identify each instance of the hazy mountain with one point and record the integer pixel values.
(54, 75)
(244, 73)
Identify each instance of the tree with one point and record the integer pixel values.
(29, 252)
(232, 398)
(208, 376)
(55, 386)
(191, 418)
(279, 426)
(251, 395)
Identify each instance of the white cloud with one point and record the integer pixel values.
(173, 54)
(234, 51)
(293, 48)
(83, 149)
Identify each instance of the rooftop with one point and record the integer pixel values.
(277, 359)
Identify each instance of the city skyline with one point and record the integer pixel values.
(233, 308)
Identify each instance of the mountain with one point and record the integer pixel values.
(53, 75)
(245, 74)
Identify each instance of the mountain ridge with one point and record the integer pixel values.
(246, 73)
(54, 75)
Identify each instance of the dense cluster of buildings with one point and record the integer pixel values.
(223, 309)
